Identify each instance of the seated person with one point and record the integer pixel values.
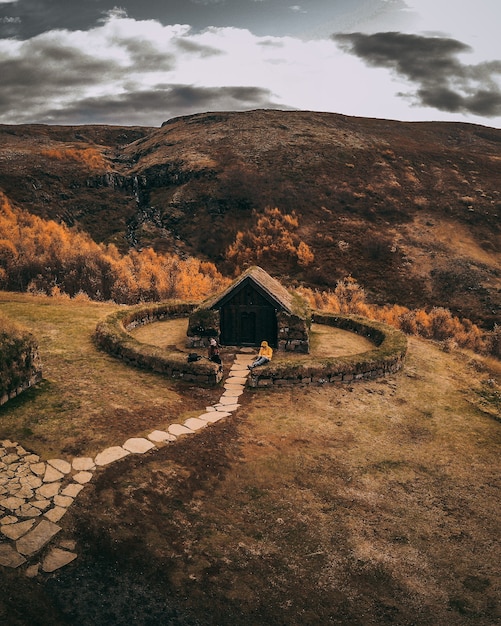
(264, 356)
(213, 352)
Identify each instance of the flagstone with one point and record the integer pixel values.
(49, 490)
(83, 464)
(68, 544)
(11, 503)
(226, 400)
(32, 458)
(32, 481)
(62, 466)
(52, 474)
(193, 423)
(41, 504)
(8, 519)
(37, 538)
(21, 451)
(212, 418)
(227, 407)
(56, 559)
(72, 490)
(10, 557)
(28, 510)
(232, 393)
(32, 570)
(159, 436)
(25, 491)
(15, 531)
(179, 429)
(7, 443)
(10, 458)
(64, 501)
(138, 445)
(236, 379)
(83, 477)
(110, 455)
(38, 468)
(55, 514)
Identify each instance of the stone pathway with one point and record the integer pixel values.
(35, 494)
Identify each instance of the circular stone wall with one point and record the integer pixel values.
(390, 347)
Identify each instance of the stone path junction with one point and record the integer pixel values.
(35, 494)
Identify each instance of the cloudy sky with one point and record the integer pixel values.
(145, 61)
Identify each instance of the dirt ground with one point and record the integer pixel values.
(369, 504)
(325, 341)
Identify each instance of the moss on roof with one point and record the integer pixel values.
(262, 279)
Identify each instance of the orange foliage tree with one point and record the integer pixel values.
(42, 256)
(273, 238)
(438, 324)
(90, 157)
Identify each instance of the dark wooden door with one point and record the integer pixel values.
(247, 328)
(248, 318)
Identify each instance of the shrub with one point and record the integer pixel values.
(439, 324)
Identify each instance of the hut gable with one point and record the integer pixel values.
(255, 307)
(263, 283)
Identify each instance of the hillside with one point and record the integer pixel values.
(411, 210)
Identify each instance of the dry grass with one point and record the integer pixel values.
(87, 399)
(370, 504)
(324, 340)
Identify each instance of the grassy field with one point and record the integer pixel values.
(87, 400)
(376, 503)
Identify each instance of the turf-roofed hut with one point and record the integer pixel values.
(255, 307)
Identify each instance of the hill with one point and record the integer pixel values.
(411, 210)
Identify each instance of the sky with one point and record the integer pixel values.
(143, 62)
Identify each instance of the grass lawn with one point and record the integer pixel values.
(87, 399)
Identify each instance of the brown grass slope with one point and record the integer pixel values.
(411, 210)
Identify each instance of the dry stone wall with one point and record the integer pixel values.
(390, 346)
(20, 365)
(113, 336)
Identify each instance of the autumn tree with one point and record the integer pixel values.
(43, 256)
(273, 239)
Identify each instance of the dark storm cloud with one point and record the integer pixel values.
(48, 66)
(45, 68)
(144, 55)
(153, 106)
(190, 46)
(262, 17)
(443, 81)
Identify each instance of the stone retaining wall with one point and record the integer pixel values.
(390, 347)
(20, 366)
(113, 336)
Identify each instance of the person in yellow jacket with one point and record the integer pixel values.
(264, 355)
